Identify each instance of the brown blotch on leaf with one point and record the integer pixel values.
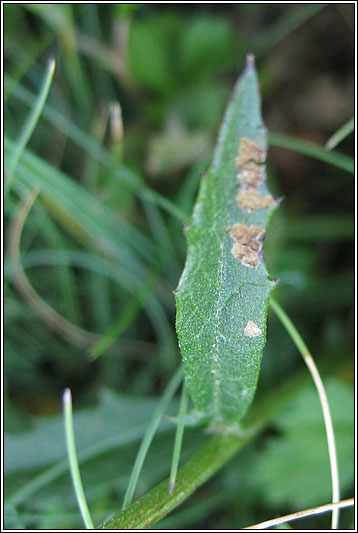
(251, 175)
(244, 234)
(247, 243)
(249, 151)
(245, 255)
(251, 200)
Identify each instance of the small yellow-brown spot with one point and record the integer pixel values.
(250, 199)
(252, 329)
(249, 151)
(247, 243)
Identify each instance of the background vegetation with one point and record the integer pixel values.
(104, 248)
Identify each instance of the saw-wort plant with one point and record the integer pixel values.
(222, 304)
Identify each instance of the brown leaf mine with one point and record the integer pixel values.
(252, 329)
(247, 243)
(251, 175)
(251, 200)
(249, 151)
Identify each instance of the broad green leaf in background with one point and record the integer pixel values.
(116, 421)
(151, 60)
(185, 50)
(223, 293)
(113, 416)
(281, 469)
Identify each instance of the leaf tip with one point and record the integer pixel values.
(67, 396)
(250, 61)
(329, 144)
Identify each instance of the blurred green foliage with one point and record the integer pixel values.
(300, 447)
(103, 243)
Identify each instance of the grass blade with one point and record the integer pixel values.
(89, 145)
(308, 359)
(50, 317)
(284, 26)
(128, 314)
(313, 150)
(30, 123)
(302, 514)
(109, 269)
(157, 503)
(82, 213)
(148, 437)
(52, 473)
(178, 438)
(340, 134)
(72, 457)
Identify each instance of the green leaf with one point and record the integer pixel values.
(113, 416)
(223, 293)
(151, 49)
(281, 469)
(208, 45)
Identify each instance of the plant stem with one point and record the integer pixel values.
(157, 503)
